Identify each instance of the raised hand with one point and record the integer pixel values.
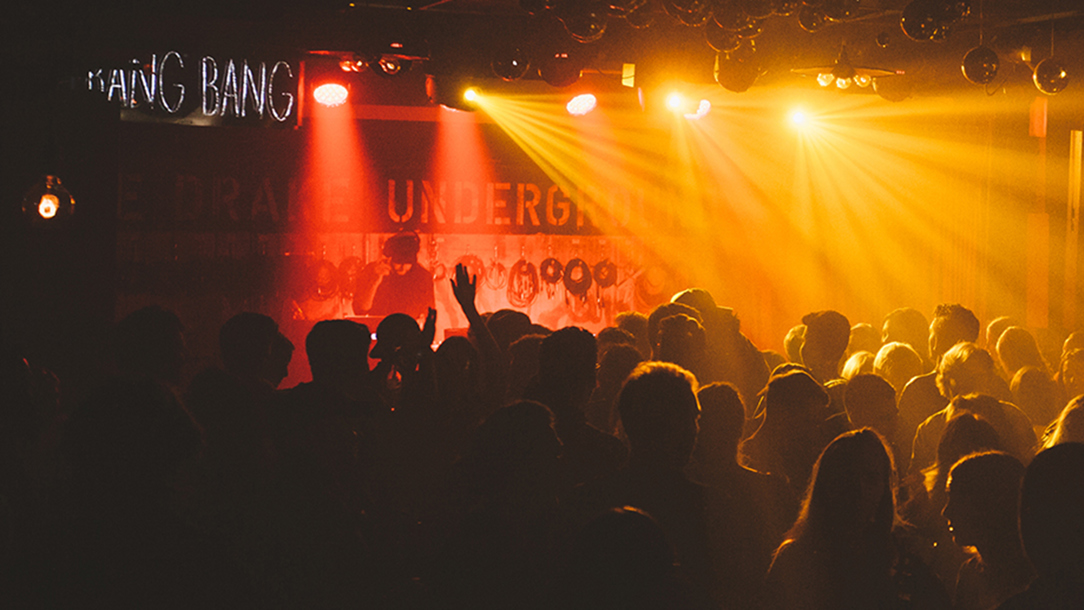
(465, 287)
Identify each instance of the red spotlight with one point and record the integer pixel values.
(330, 94)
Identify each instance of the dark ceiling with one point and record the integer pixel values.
(465, 35)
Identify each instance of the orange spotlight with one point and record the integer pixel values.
(330, 94)
(702, 111)
(798, 118)
(581, 104)
(675, 101)
(48, 206)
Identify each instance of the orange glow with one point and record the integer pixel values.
(48, 206)
(330, 94)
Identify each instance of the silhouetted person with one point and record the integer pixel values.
(898, 363)
(732, 357)
(323, 435)
(397, 283)
(864, 338)
(615, 366)
(662, 312)
(983, 494)
(797, 426)
(826, 337)
(681, 341)
(150, 342)
(523, 364)
(1071, 373)
(995, 328)
(966, 369)
(507, 326)
(566, 378)
(841, 553)
(749, 511)
(871, 403)
(909, 326)
(635, 323)
(1052, 529)
(951, 324)
(128, 546)
(622, 560)
(502, 553)
(659, 412)
(792, 343)
(1037, 395)
(857, 363)
(1016, 348)
(1069, 425)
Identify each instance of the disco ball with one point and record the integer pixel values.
(587, 24)
(1050, 76)
(729, 15)
(922, 20)
(758, 9)
(723, 41)
(980, 65)
(811, 18)
(511, 64)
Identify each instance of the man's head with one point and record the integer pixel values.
(338, 351)
(964, 369)
(907, 325)
(402, 250)
(952, 323)
(826, 336)
(568, 359)
(659, 411)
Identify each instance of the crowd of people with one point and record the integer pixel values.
(664, 463)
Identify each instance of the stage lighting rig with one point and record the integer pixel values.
(843, 74)
(48, 201)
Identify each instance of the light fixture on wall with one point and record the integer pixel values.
(48, 201)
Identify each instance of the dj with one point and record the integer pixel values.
(397, 283)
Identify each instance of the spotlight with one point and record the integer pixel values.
(561, 68)
(48, 200)
(452, 92)
(863, 80)
(391, 66)
(353, 64)
(799, 118)
(511, 64)
(825, 79)
(330, 94)
(702, 111)
(674, 101)
(581, 104)
(843, 83)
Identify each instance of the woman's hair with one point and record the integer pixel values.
(829, 510)
(1069, 426)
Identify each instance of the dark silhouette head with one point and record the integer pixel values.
(247, 342)
(871, 403)
(907, 325)
(722, 417)
(515, 446)
(965, 369)
(635, 323)
(150, 341)
(567, 361)
(983, 495)
(857, 363)
(402, 251)
(523, 363)
(792, 343)
(508, 325)
(1036, 394)
(850, 496)
(662, 312)
(1069, 426)
(1052, 513)
(794, 397)
(338, 352)
(864, 338)
(826, 337)
(898, 363)
(952, 323)
(393, 332)
(610, 336)
(659, 412)
(995, 328)
(681, 340)
(965, 433)
(1016, 348)
(1071, 372)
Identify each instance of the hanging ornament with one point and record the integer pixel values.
(1050, 76)
(811, 19)
(980, 65)
(522, 284)
(723, 41)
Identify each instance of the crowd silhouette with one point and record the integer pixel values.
(664, 463)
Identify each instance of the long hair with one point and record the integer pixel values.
(829, 514)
